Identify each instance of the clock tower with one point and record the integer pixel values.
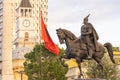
(25, 31)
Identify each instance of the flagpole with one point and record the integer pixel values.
(40, 61)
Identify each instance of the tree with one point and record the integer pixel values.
(116, 49)
(110, 69)
(42, 64)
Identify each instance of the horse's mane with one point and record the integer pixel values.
(69, 34)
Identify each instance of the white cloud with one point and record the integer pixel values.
(105, 16)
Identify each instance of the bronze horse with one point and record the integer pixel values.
(73, 49)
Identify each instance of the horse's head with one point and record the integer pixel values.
(65, 35)
(61, 35)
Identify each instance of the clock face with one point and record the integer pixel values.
(26, 23)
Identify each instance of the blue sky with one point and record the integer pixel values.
(69, 14)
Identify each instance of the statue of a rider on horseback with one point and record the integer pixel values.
(86, 47)
(89, 37)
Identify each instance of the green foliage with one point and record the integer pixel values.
(110, 69)
(40, 60)
(116, 49)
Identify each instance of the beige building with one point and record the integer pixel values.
(117, 61)
(19, 32)
(117, 57)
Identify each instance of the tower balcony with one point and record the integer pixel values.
(21, 42)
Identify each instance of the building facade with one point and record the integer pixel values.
(37, 5)
(117, 61)
(19, 31)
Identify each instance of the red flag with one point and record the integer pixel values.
(49, 44)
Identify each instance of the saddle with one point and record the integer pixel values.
(83, 46)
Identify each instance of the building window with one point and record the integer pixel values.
(26, 36)
(25, 12)
(30, 13)
(22, 12)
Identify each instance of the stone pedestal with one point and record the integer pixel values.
(73, 70)
(91, 79)
(72, 73)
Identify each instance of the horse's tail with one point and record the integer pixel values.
(110, 51)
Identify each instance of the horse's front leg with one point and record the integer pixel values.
(81, 74)
(79, 66)
(62, 61)
(63, 57)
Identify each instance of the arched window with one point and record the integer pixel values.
(30, 13)
(26, 12)
(26, 36)
(22, 13)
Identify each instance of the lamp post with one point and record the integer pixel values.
(40, 62)
(41, 59)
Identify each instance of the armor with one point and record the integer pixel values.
(89, 37)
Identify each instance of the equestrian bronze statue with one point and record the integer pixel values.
(86, 47)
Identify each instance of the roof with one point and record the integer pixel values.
(25, 3)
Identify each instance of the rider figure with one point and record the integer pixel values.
(89, 37)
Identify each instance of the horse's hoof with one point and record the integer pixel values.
(79, 76)
(89, 57)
